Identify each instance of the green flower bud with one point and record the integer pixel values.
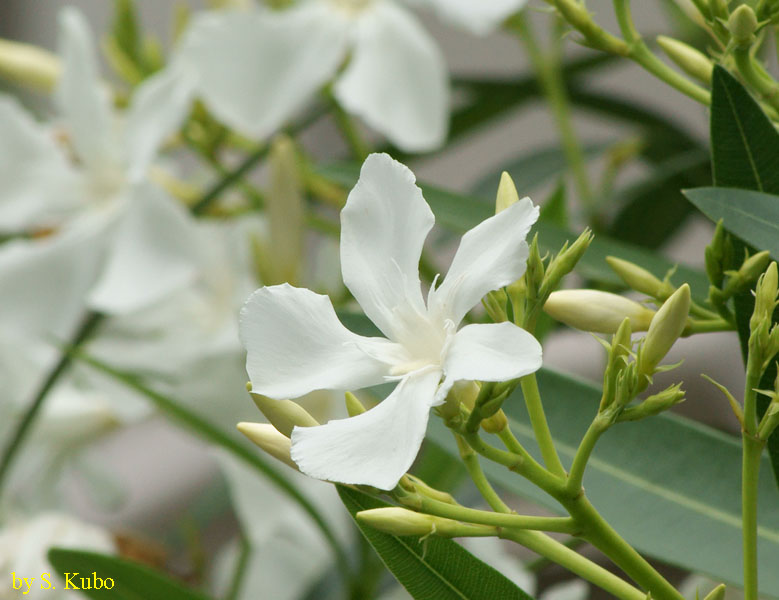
(619, 349)
(750, 270)
(269, 439)
(654, 404)
(765, 296)
(353, 406)
(507, 193)
(29, 65)
(715, 255)
(639, 279)
(284, 415)
(593, 310)
(690, 60)
(565, 261)
(666, 327)
(718, 593)
(742, 25)
(401, 521)
(719, 8)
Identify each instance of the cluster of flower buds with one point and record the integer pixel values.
(764, 333)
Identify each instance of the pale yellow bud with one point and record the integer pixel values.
(742, 25)
(718, 593)
(690, 60)
(398, 521)
(639, 279)
(29, 65)
(284, 415)
(269, 439)
(593, 310)
(666, 327)
(507, 193)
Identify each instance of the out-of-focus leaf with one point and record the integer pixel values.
(533, 169)
(460, 213)
(131, 581)
(434, 568)
(752, 216)
(555, 209)
(654, 480)
(745, 154)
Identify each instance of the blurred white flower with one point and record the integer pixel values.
(257, 68)
(24, 545)
(296, 344)
(95, 177)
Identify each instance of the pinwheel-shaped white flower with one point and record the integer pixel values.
(257, 68)
(98, 183)
(296, 344)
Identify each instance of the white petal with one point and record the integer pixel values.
(38, 186)
(257, 69)
(383, 228)
(479, 18)
(153, 252)
(296, 344)
(491, 352)
(491, 255)
(397, 79)
(156, 110)
(82, 99)
(375, 448)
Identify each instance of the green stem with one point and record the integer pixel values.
(767, 88)
(601, 535)
(587, 445)
(549, 74)
(707, 326)
(88, 325)
(359, 148)
(471, 461)
(540, 427)
(752, 452)
(558, 553)
(240, 568)
(497, 519)
(205, 430)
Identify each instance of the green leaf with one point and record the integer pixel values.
(745, 154)
(669, 486)
(752, 216)
(434, 568)
(460, 213)
(132, 581)
(555, 209)
(533, 169)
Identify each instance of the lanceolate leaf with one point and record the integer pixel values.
(745, 154)
(752, 216)
(434, 568)
(670, 486)
(131, 581)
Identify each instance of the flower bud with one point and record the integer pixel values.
(284, 415)
(507, 193)
(715, 255)
(690, 60)
(742, 25)
(565, 261)
(29, 65)
(718, 593)
(765, 296)
(401, 521)
(666, 327)
(269, 439)
(654, 404)
(353, 406)
(398, 521)
(639, 279)
(750, 270)
(593, 310)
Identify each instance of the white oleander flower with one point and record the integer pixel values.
(259, 67)
(296, 344)
(95, 177)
